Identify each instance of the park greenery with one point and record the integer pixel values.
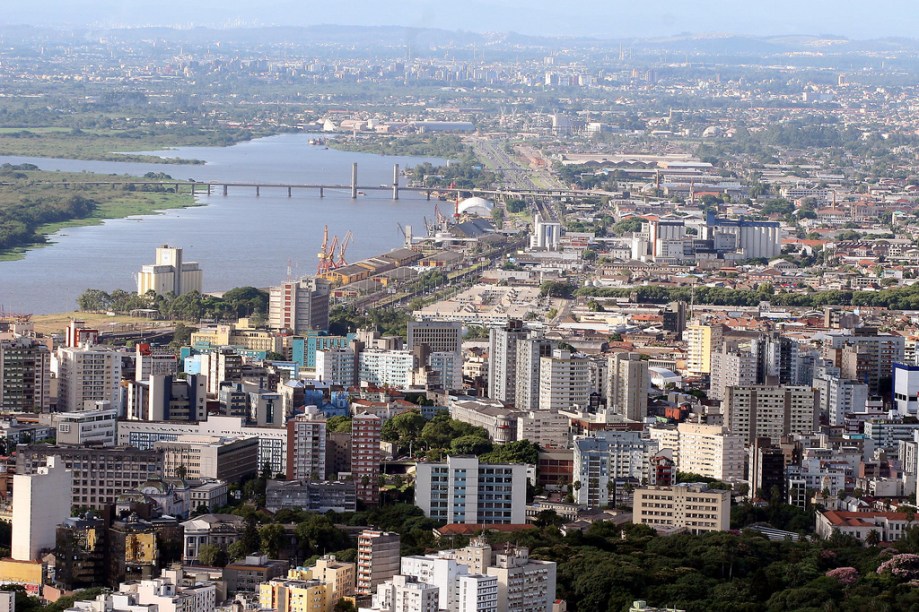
(900, 298)
(235, 303)
(444, 146)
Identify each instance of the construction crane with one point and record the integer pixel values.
(342, 249)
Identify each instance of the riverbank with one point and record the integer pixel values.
(23, 193)
(448, 146)
(108, 144)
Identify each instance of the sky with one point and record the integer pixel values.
(595, 18)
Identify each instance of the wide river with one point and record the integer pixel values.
(237, 240)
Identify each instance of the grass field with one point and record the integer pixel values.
(58, 322)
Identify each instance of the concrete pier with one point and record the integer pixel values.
(354, 181)
(395, 182)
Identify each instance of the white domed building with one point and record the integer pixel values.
(476, 206)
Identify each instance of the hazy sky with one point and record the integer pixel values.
(608, 19)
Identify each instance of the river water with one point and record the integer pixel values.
(238, 240)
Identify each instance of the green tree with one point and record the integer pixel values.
(339, 424)
(470, 445)
(212, 555)
(271, 538)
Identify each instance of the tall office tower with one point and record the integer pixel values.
(502, 360)
(778, 360)
(441, 337)
(41, 502)
(838, 397)
(300, 306)
(25, 376)
(564, 380)
(674, 318)
(170, 274)
(767, 469)
(764, 411)
(529, 353)
(366, 456)
(462, 490)
(627, 386)
(734, 363)
(306, 445)
(378, 559)
(88, 375)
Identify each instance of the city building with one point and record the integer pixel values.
(41, 502)
(564, 380)
(313, 496)
(337, 366)
(690, 506)
(906, 389)
(205, 456)
(378, 559)
(889, 526)
(601, 461)
(89, 428)
(699, 340)
(170, 274)
(711, 451)
(218, 530)
(25, 376)
(547, 428)
(272, 441)
(381, 368)
(100, 475)
(405, 594)
(627, 386)
(530, 352)
(301, 306)
(306, 445)
(87, 375)
(440, 337)
(366, 456)
(772, 411)
(462, 490)
(523, 584)
(502, 360)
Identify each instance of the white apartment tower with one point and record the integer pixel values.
(564, 380)
(529, 353)
(41, 502)
(88, 375)
(502, 360)
(170, 274)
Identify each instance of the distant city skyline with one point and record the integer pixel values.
(591, 18)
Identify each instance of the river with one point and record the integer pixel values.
(238, 240)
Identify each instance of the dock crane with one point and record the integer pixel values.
(322, 267)
(342, 249)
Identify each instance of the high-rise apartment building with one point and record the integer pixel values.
(337, 366)
(300, 306)
(88, 375)
(306, 445)
(366, 456)
(524, 584)
(25, 376)
(530, 351)
(564, 380)
(699, 346)
(771, 411)
(627, 386)
(710, 450)
(440, 337)
(378, 559)
(599, 461)
(502, 360)
(170, 274)
(866, 356)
